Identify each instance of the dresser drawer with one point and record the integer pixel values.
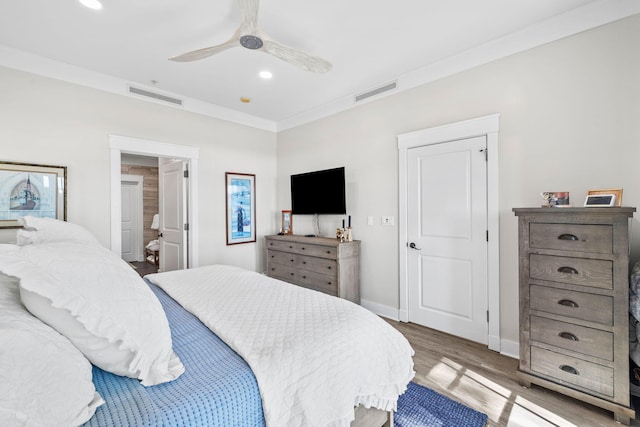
(589, 376)
(319, 282)
(282, 245)
(589, 341)
(318, 250)
(596, 273)
(319, 265)
(284, 258)
(578, 305)
(283, 272)
(572, 237)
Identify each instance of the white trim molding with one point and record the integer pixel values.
(122, 144)
(482, 126)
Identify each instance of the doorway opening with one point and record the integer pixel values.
(120, 146)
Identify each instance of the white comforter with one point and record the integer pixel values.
(315, 356)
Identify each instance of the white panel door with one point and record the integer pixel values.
(172, 215)
(131, 217)
(447, 229)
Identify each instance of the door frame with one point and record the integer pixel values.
(139, 181)
(482, 126)
(122, 144)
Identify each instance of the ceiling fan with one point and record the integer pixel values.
(250, 36)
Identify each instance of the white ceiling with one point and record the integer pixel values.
(369, 43)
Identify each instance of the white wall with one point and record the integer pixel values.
(47, 121)
(569, 121)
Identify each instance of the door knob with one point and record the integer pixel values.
(413, 246)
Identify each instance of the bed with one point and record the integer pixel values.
(215, 345)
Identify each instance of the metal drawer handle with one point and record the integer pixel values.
(292, 274)
(304, 262)
(290, 247)
(304, 277)
(568, 336)
(291, 260)
(328, 252)
(569, 369)
(329, 267)
(568, 303)
(567, 237)
(570, 270)
(303, 248)
(328, 283)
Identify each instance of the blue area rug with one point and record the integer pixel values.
(420, 406)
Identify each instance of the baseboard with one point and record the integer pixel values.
(507, 347)
(510, 348)
(380, 309)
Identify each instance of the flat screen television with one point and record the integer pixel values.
(319, 192)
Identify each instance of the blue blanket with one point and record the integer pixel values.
(217, 388)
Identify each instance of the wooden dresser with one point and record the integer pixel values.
(318, 263)
(574, 303)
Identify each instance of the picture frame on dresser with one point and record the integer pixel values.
(28, 189)
(240, 207)
(287, 222)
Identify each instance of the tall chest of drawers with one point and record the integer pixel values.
(574, 303)
(318, 263)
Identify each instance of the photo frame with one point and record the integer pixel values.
(555, 199)
(287, 222)
(28, 189)
(615, 191)
(241, 207)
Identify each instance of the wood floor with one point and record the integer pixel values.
(144, 267)
(485, 380)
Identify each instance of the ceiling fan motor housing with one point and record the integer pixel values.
(251, 42)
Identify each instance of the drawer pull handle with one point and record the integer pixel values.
(329, 267)
(570, 270)
(292, 274)
(304, 262)
(568, 303)
(304, 277)
(328, 283)
(303, 248)
(291, 260)
(290, 247)
(568, 237)
(568, 336)
(569, 369)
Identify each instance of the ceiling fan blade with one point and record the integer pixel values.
(249, 9)
(299, 59)
(207, 51)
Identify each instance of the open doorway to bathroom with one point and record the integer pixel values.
(140, 209)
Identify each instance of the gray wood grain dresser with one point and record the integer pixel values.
(318, 263)
(574, 303)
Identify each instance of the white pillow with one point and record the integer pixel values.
(49, 230)
(102, 305)
(45, 379)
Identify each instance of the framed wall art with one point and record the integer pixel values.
(32, 190)
(241, 208)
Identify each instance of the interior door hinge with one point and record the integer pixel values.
(186, 227)
(486, 154)
(487, 316)
(186, 174)
(487, 235)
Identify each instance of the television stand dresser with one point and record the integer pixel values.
(318, 263)
(574, 303)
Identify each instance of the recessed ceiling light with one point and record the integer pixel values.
(245, 99)
(92, 4)
(266, 74)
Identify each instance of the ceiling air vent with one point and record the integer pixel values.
(376, 91)
(158, 96)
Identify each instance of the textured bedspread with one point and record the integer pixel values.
(314, 356)
(217, 388)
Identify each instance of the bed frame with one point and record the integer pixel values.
(367, 417)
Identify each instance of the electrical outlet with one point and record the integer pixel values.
(387, 220)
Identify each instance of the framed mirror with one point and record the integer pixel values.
(287, 222)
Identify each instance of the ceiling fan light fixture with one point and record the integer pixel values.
(266, 75)
(92, 4)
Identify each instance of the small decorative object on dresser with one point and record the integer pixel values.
(617, 192)
(574, 304)
(324, 264)
(553, 199)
